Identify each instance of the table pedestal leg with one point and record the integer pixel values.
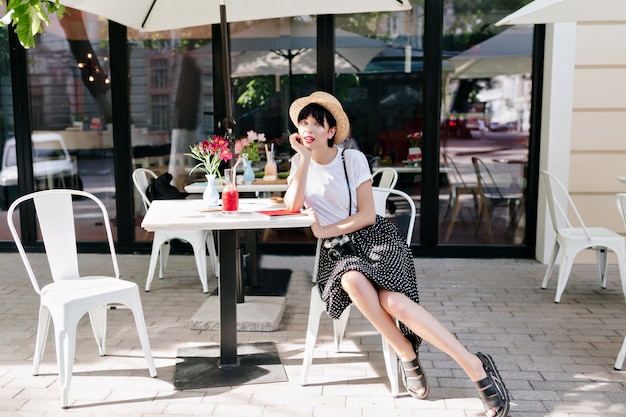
(201, 366)
(228, 296)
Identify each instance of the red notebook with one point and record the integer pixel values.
(282, 212)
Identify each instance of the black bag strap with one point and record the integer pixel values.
(343, 159)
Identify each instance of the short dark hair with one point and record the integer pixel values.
(320, 114)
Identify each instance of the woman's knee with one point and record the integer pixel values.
(355, 283)
(395, 303)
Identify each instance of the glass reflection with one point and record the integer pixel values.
(485, 127)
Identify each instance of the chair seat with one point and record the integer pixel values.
(85, 290)
(594, 232)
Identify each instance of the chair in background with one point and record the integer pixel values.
(198, 239)
(317, 306)
(385, 177)
(572, 239)
(458, 188)
(493, 195)
(70, 295)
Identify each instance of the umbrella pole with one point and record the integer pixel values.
(229, 121)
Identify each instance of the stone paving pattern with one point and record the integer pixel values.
(557, 359)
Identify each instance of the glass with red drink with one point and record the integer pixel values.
(230, 195)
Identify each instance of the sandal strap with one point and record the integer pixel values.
(414, 378)
(491, 389)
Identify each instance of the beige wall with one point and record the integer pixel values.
(598, 135)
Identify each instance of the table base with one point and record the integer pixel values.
(198, 367)
(257, 314)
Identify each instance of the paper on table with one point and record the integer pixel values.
(281, 212)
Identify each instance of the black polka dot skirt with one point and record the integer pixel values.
(382, 256)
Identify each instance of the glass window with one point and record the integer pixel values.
(485, 125)
(69, 112)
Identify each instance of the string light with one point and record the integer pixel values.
(93, 69)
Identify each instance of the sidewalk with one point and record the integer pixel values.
(557, 359)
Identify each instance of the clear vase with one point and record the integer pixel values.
(210, 196)
(230, 195)
(248, 173)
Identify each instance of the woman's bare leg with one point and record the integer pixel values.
(365, 297)
(422, 323)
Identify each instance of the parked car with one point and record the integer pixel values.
(53, 167)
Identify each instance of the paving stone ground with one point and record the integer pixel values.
(557, 359)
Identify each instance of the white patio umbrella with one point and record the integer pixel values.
(507, 53)
(155, 15)
(550, 11)
(289, 48)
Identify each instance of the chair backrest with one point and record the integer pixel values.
(141, 179)
(559, 202)
(385, 177)
(381, 206)
(55, 217)
(487, 184)
(455, 173)
(388, 179)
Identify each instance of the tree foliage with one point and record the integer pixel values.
(28, 17)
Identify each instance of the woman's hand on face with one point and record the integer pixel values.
(296, 143)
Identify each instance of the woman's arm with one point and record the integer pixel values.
(365, 215)
(294, 196)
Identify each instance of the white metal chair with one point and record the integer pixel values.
(198, 239)
(317, 306)
(458, 188)
(70, 295)
(573, 239)
(620, 199)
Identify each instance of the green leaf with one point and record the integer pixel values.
(27, 17)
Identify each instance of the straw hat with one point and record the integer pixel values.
(330, 103)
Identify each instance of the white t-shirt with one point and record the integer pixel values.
(326, 190)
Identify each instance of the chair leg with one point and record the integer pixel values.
(316, 308)
(42, 334)
(339, 328)
(135, 305)
(65, 341)
(154, 256)
(391, 364)
(98, 319)
(456, 207)
(198, 243)
(621, 263)
(621, 356)
(210, 242)
(546, 277)
(603, 260)
(564, 270)
(164, 252)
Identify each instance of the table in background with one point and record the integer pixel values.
(258, 186)
(226, 369)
